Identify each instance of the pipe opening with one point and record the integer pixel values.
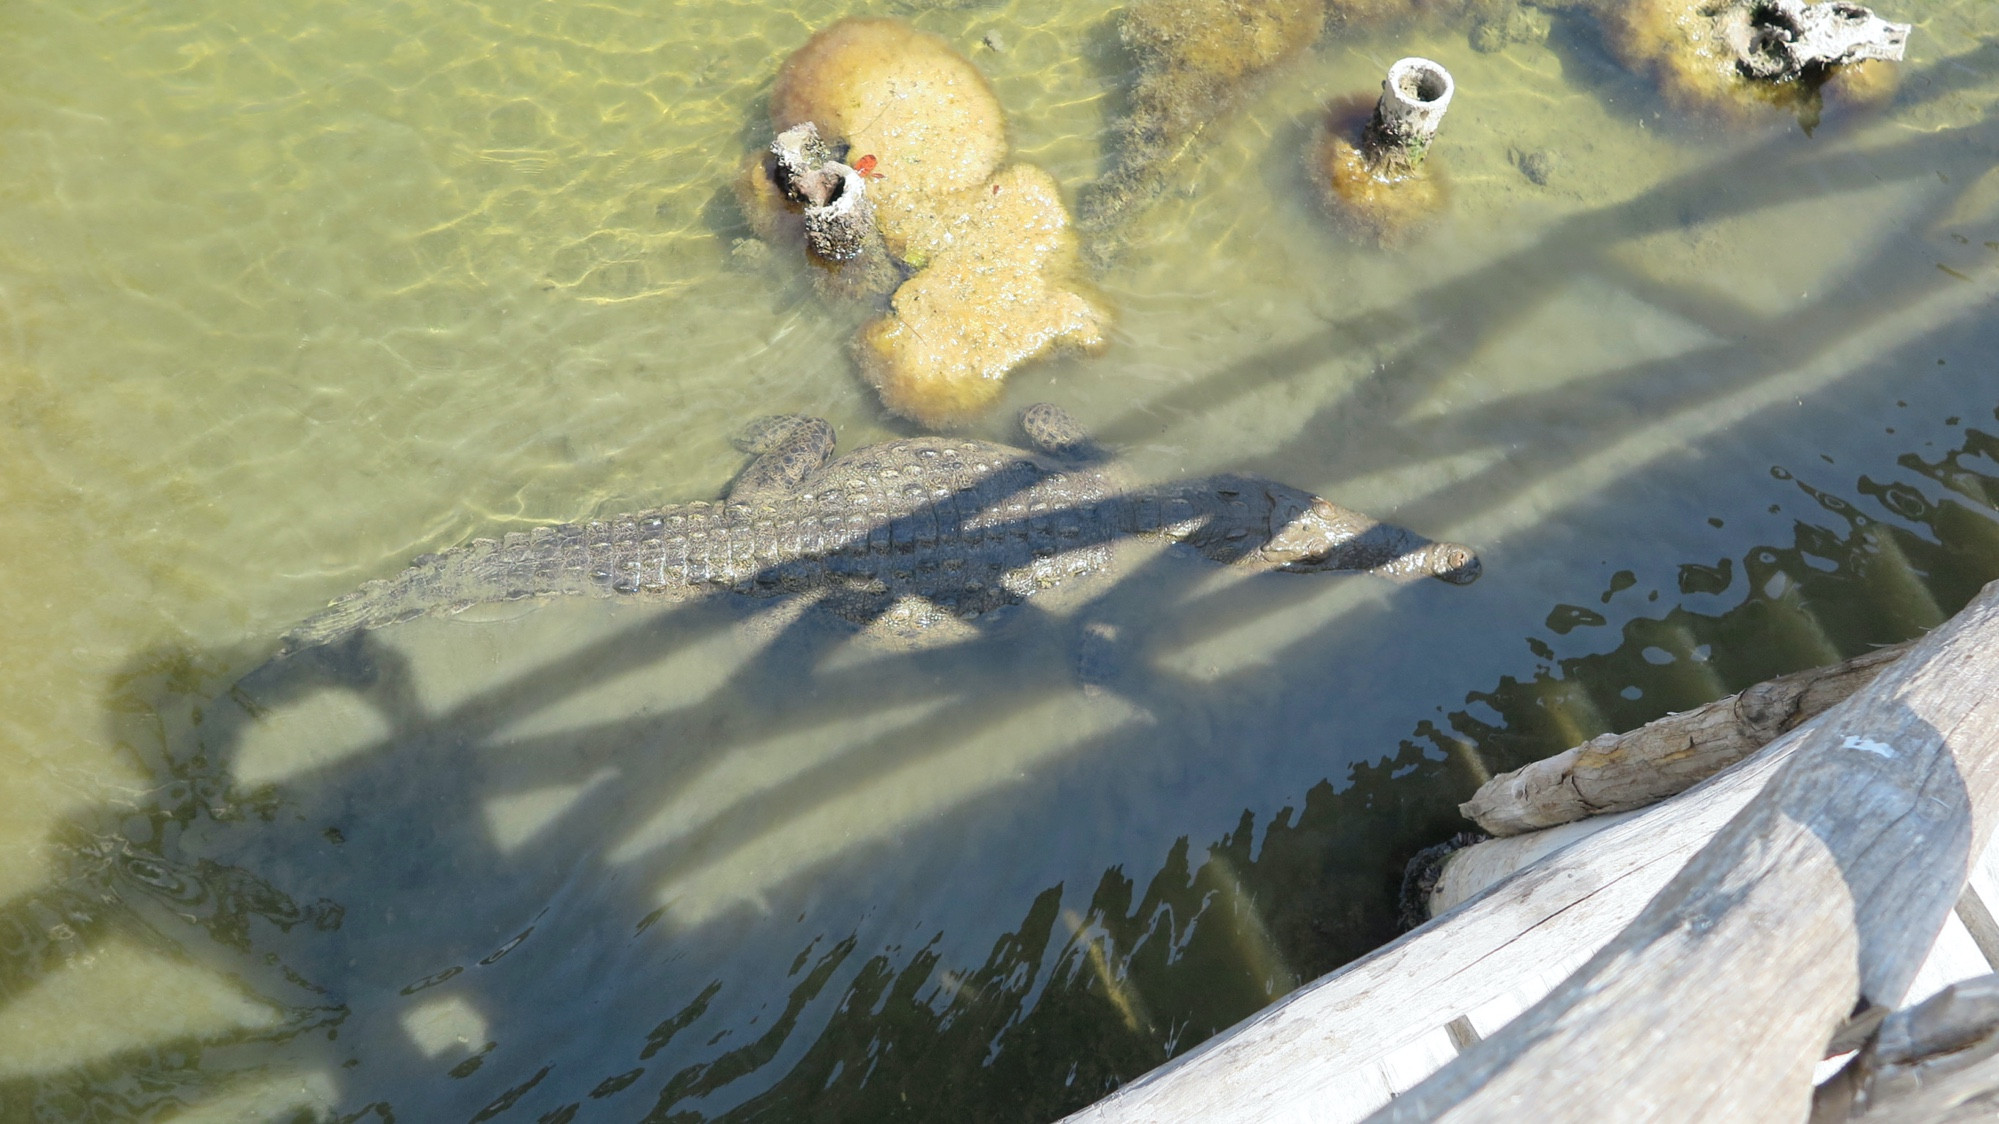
(1424, 85)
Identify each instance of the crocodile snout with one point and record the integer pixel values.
(1456, 563)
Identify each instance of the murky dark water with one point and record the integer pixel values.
(290, 296)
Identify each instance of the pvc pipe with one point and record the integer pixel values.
(1413, 100)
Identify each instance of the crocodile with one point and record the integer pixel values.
(955, 526)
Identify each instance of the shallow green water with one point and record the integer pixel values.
(290, 293)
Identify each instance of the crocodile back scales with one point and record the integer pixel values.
(966, 525)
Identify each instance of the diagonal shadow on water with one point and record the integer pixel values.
(365, 869)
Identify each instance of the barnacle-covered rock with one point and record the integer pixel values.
(796, 191)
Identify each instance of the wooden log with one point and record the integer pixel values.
(1818, 899)
(1619, 772)
(1935, 1061)
(1467, 872)
(1324, 1047)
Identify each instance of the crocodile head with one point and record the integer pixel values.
(1308, 533)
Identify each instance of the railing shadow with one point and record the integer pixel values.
(357, 887)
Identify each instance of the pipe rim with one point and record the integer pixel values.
(1420, 83)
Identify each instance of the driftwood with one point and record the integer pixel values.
(1784, 40)
(1936, 1061)
(1819, 899)
(1619, 772)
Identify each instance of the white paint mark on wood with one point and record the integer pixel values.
(1868, 745)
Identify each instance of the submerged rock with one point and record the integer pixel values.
(1363, 13)
(980, 258)
(1498, 24)
(1196, 58)
(1537, 164)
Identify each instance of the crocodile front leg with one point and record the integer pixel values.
(789, 448)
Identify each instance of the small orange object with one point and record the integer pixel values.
(866, 166)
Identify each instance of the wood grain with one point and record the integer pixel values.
(1619, 772)
(1820, 897)
(1935, 1061)
(1318, 1054)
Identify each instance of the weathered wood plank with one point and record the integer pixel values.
(1468, 872)
(1308, 1056)
(1953, 957)
(1935, 1061)
(1824, 893)
(1619, 772)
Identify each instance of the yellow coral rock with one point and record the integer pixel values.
(905, 97)
(998, 292)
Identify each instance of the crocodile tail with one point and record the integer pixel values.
(433, 583)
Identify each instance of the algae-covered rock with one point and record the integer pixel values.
(1371, 200)
(1496, 25)
(989, 253)
(1195, 57)
(1703, 54)
(1366, 13)
(999, 291)
(1219, 40)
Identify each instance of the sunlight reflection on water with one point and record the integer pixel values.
(289, 294)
